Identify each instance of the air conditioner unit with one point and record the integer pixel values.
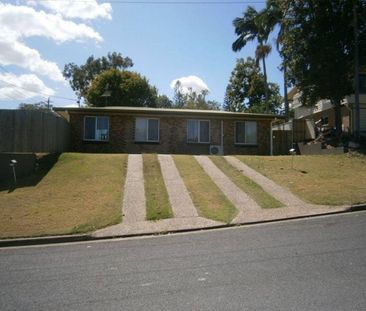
(215, 150)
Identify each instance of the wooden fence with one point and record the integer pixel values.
(33, 131)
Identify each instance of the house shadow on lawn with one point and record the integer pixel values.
(44, 164)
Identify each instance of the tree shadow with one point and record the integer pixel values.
(44, 164)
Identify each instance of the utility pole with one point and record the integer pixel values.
(48, 103)
(356, 123)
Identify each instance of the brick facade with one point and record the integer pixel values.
(173, 134)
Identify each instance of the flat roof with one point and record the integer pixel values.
(165, 111)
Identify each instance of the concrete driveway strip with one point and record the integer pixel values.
(280, 193)
(239, 198)
(179, 198)
(134, 207)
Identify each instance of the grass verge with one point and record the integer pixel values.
(251, 188)
(157, 200)
(77, 194)
(206, 196)
(319, 179)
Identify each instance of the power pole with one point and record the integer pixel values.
(356, 123)
(48, 103)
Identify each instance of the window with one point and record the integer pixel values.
(246, 132)
(147, 130)
(96, 128)
(198, 131)
(362, 80)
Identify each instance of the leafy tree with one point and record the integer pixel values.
(192, 99)
(273, 15)
(123, 88)
(246, 90)
(81, 77)
(319, 37)
(179, 98)
(252, 26)
(40, 106)
(163, 101)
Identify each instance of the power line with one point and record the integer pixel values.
(17, 92)
(35, 92)
(169, 2)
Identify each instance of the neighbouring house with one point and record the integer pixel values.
(322, 113)
(177, 131)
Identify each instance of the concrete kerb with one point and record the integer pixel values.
(88, 237)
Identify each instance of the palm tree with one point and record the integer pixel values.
(252, 26)
(261, 52)
(273, 15)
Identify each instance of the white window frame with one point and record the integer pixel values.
(199, 131)
(95, 128)
(245, 143)
(147, 132)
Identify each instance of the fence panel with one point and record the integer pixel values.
(33, 131)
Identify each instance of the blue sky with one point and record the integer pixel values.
(165, 42)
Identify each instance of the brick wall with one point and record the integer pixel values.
(173, 136)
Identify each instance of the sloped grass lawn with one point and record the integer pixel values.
(318, 179)
(206, 196)
(251, 188)
(157, 200)
(80, 193)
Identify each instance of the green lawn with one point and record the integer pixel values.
(157, 200)
(206, 196)
(319, 179)
(79, 193)
(251, 188)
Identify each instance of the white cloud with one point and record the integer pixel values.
(19, 22)
(77, 9)
(22, 87)
(193, 83)
(15, 52)
(24, 21)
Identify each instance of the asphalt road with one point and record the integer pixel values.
(313, 264)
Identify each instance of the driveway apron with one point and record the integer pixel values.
(134, 207)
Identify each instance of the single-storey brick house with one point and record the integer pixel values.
(177, 131)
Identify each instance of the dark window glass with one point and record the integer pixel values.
(89, 128)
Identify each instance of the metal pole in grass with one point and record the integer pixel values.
(293, 153)
(12, 164)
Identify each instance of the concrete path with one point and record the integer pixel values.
(239, 198)
(280, 193)
(134, 207)
(186, 217)
(160, 226)
(179, 198)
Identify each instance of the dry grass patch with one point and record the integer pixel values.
(157, 200)
(319, 179)
(80, 193)
(206, 196)
(251, 188)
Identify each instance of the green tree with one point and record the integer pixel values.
(252, 26)
(319, 37)
(163, 101)
(179, 99)
(273, 15)
(192, 99)
(246, 90)
(40, 106)
(81, 77)
(124, 88)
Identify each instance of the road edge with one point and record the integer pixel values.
(89, 237)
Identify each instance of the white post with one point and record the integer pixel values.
(222, 136)
(271, 139)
